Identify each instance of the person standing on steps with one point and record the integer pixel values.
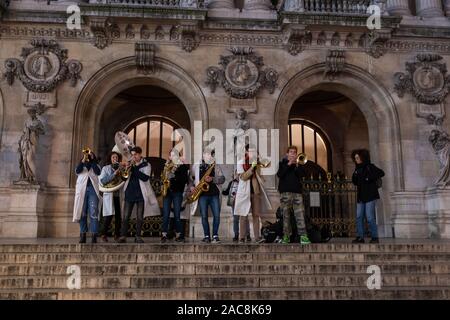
(367, 179)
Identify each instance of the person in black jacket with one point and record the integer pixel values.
(178, 177)
(365, 178)
(290, 188)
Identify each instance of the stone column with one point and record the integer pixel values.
(398, 7)
(447, 8)
(221, 4)
(257, 5)
(429, 8)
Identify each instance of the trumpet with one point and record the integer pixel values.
(263, 163)
(86, 152)
(302, 159)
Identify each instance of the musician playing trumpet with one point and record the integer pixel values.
(175, 178)
(212, 174)
(290, 173)
(87, 195)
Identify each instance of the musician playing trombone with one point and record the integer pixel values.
(290, 174)
(210, 198)
(139, 193)
(175, 173)
(248, 194)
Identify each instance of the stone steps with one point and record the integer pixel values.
(225, 269)
(221, 281)
(310, 293)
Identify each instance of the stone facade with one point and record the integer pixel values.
(171, 45)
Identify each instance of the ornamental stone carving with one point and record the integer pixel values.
(145, 57)
(43, 67)
(426, 79)
(241, 74)
(334, 64)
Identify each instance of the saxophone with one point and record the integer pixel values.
(202, 185)
(168, 167)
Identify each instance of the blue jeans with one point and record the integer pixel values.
(90, 205)
(366, 209)
(213, 202)
(177, 199)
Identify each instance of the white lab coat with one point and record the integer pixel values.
(151, 206)
(108, 197)
(80, 192)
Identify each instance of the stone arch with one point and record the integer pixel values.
(120, 75)
(375, 103)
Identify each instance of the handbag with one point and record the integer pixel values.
(232, 193)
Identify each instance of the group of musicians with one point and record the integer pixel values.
(201, 187)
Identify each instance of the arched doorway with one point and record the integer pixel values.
(371, 102)
(118, 98)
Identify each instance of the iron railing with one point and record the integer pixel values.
(328, 6)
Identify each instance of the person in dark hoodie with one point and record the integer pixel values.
(290, 188)
(366, 178)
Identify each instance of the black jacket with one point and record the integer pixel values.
(364, 178)
(290, 177)
(179, 181)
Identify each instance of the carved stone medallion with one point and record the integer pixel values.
(426, 79)
(43, 67)
(241, 74)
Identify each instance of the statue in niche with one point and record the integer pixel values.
(34, 127)
(440, 141)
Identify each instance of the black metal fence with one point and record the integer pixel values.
(331, 203)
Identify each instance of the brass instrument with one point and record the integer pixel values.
(86, 152)
(302, 159)
(168, 167)
(123, 146)
(202, 185)
(263, 163)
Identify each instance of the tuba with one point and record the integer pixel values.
(123, 146)
(302, 159)
(202, 185)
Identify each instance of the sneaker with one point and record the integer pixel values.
(216, 239)
(163, 239)
(277, 240)
(285, 240)
(104, 238)
(179, 239)
(206, 240)
(138, 240)
(260, 240)
(374, 240)
(249, 239)
(242, 240)
(122, 240)
(358, 240)
(94, 238)
(236, 239)
(304, 239)
(82, 238)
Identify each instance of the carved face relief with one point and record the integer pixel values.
(242, 74)
(429, 79)
(40, 67)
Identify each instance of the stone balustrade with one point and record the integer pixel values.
(327, 6)
(154, 3)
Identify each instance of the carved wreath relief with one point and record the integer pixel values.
(426, 79)
(241, 74)
(43, 67)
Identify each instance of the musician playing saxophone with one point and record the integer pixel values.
(210, 198)
(176, 173)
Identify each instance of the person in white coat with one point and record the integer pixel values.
(249, 194)
(87, 197)
(111, 200)
(139, 193)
